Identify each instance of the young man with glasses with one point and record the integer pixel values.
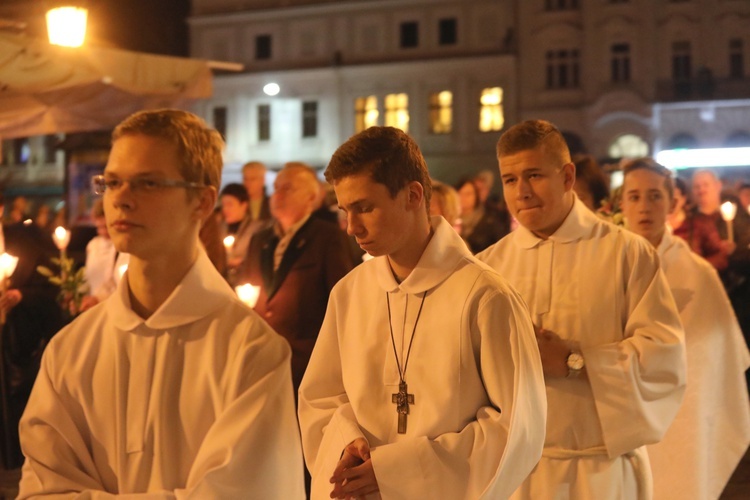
(171, 387)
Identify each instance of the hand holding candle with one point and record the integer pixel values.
(248, 294)
(728, 212)
(7, 266)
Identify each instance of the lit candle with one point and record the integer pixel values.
(7, 266)
(248, 294)
(61, 236)
(728, 212)
(229, 242)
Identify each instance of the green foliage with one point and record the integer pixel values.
(72, 283)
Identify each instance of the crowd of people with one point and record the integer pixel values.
(410, 339)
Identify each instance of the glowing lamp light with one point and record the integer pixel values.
(61, 237)
(248, 294)
(704, 158)
(728, 213)
(271, 89)
(66, 26)
(8, 264)
(229, 242)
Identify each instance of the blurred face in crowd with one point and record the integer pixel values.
(537, 187)
(680, 200)
(467, 194)
(706, 192)
(646, 204)
(233, 209)
(295, 195)
(745, 197)
(254, 179)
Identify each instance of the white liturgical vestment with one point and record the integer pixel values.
(476, 425)
(711, 432)
(194, 402)
(600, 287)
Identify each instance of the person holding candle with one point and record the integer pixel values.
(296, 263)
(711, 431)
(31, 317)
(172, 387)
(707, 191)
(239, 225)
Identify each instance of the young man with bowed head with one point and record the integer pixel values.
(609, 334)
(711, 432)
(425, 381)
(170, 388)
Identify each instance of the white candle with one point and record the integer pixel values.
(728, 212)
(61, 236)
(248, 294)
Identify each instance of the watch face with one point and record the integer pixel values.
(575, 361)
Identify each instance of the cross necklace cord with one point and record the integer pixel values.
(402, 399)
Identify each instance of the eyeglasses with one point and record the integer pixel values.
(100, 184)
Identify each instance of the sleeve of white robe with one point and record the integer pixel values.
(252, 449)
(490, 456)
(639, 382)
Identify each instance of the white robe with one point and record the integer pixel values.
(600, 287)
(194, 402)
(476, 427)
(101, 271)
(711, 432)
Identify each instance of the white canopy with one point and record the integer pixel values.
(48, 89)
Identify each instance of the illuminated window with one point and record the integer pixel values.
(441, 112)
(491, 117)
(365, 112)
(628, 146)
(397, 111)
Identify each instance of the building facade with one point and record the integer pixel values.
(619, 77)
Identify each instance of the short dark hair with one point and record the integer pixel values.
(650, 164)
(463, 181)
(235, 190)
(589, 172)
(532, 134)
(388, 154)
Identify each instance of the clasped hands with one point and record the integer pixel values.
(354, 476)
(554, 353)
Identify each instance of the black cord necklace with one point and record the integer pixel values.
(402, 399)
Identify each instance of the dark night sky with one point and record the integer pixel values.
(155, 26)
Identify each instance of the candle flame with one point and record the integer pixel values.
(248, 294)
(229, 242)
(61, 236)
(728, 210)
(7, 265)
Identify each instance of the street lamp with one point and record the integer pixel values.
(66, 25)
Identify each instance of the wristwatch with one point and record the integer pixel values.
(575, 364)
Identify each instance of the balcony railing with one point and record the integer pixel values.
(703, 88)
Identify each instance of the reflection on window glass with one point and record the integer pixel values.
(491, 117)
(441, 112)
(397, 111)
(365, 113)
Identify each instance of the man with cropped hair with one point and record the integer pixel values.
(172, 387)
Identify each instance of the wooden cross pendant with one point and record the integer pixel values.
(402, 400)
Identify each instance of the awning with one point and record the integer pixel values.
(47, 89)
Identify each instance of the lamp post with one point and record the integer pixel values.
(66, 24)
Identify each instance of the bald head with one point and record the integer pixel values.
(706, 191)
(295, 194)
